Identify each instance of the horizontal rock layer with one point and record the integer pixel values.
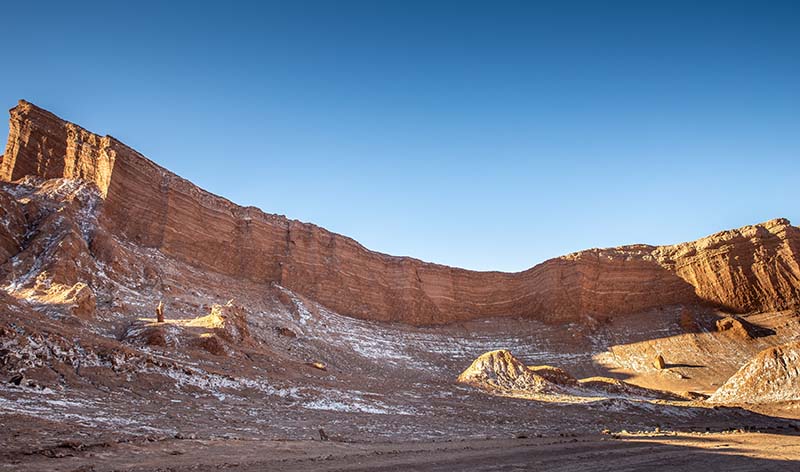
(755, 268)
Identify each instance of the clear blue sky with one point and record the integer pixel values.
(489, 135)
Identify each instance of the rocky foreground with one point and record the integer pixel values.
(629, 452)
(143, 315)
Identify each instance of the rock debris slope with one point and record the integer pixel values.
(754, 268)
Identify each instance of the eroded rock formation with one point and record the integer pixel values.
(773, 375)
(754, 268)
(500, 370)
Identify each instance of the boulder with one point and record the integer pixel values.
(734, 327)
(658, 362)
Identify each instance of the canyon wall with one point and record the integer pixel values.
(750, 269)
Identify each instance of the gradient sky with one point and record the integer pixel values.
(486, 135)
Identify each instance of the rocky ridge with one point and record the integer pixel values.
(754, 268)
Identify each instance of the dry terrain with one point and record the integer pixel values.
(284, 346)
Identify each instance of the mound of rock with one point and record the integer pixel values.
(608, 385)
(773, 375)
(226, 324)
(148, 333)
(227, 321)
(555, 375)
(77, 299)
(500, 370)
(733, 327)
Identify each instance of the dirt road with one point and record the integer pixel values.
(689, 452)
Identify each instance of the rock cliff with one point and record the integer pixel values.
(755, 268)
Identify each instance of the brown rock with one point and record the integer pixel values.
(225, 323)
(283, 331)
(734, 327)
(688, 322)
(13, 228)
(83, 299)
(658, 362)
(77, 299)
(149, 334)
(554, 375)
(213, 344)
(500, 370)
(772, 375)
(160, 312)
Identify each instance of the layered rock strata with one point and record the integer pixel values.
(755, 268)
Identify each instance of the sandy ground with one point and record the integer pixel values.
(620, 452)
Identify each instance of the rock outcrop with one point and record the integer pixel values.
(773, 375)
(658, 362)
(734, 327)
(225, 326)
(500, 373)
(500, 370)
(754, 268)
(228, 321)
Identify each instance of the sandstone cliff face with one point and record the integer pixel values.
(751, 269)
(754, 268)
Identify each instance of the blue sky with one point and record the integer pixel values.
(485, 135)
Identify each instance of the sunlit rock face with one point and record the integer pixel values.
(754, 268)
(502, 371)
(773, 375)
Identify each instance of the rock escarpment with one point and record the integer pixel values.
(750, 269)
